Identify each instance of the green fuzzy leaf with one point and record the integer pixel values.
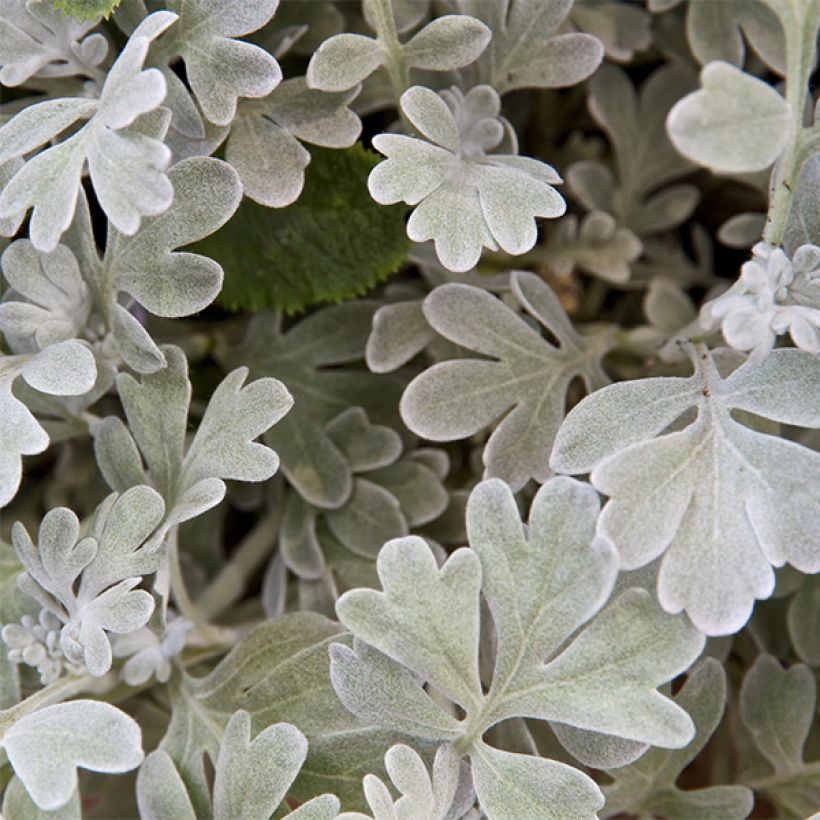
(86, 9)
(333, 244)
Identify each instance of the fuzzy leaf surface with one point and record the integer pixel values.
(524, 383)
(714, 499)
(46, 747)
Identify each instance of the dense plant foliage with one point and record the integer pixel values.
(478, 472)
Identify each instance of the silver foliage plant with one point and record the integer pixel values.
(531, 530)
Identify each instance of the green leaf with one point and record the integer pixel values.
(86, 9)
(331, 245)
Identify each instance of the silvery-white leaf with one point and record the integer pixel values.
(427, 614)
(220, 68)
(405, 621)
(735, 123)
(542, 586)
(48, 183)
(36, 40)
(18, 803)
(109, 562)
(46, 747)
(778, 706)
(253, 776)
(343, 61)
(122, 525)
(400, 331)
(278, 671)
(527, 49)
(446, 43)
(161, 793)
(264, 145)
(307, 359)
(117, 455)
(719, 545)
(50, 300)
(422, 796)
(224, 444)
(127, 168)
(511, 786)
(595, 749)
(598, 247)
(157, 411)
(63, 369)
(648, 785)
(585, 682)
(383, 692)
(192, 480)
(465, 198)
(168, 282)
(528, 376)
(21, 436)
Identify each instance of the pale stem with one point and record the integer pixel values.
(185, 605)
(230, 583)
(56, 692)
(800, 34)
(381, 13)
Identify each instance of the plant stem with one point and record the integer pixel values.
(381, 13)
(229, 584)
(56, 692)
(800, 30)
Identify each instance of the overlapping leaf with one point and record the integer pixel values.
(719, 501)
(147, 267)
(390, 494)
(279, 672)
(88, 583)
(251, 777)
(127, 166)
(37, 41)
(525, 385)
(46, 747)
(778, 709)
(639, 196)
(265, 147)
(541, 587)
(220, 67)
(64, 369)
(528, 47)
(307, 358)
(647, 786)
(446, 43)
(153, 451)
